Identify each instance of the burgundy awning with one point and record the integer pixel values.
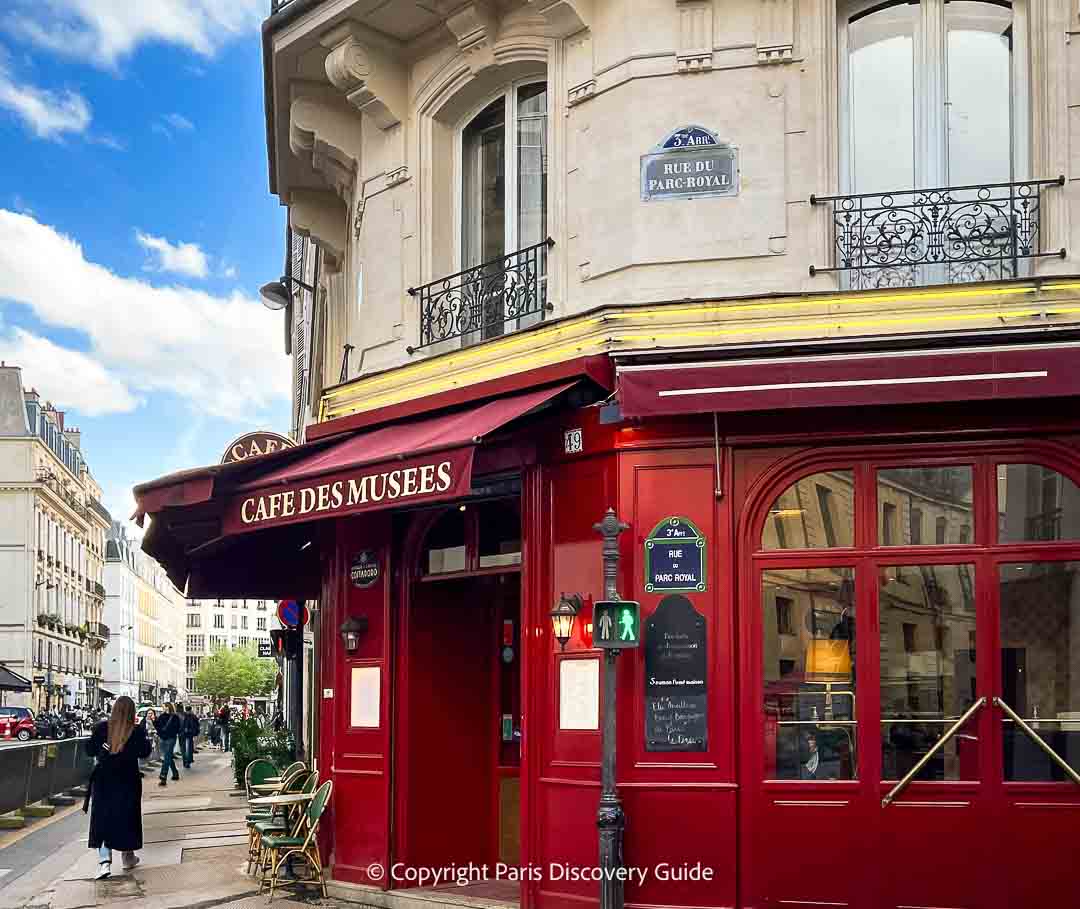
(871, 379)
(223, 530)
(410, 463)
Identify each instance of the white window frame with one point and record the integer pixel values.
(931, 125)
(508, 92)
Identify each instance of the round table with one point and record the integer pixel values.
(292, 798)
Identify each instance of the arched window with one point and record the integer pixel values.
(933, 93)
(504, 159)
(907, 586)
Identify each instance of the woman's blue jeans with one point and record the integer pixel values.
(168, 758)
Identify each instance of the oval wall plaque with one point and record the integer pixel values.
(364, 571)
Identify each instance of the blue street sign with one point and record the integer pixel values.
(289, 611)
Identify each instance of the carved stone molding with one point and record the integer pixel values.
(583, 92)
(695, 36)
(320, 215)
(475, 26)
(323, 130)
(776, 31)
(563, 18)
(372, 80)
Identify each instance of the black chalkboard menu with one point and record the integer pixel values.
(676, 715)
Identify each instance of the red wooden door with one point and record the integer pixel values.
(452, 719)
(897, 601)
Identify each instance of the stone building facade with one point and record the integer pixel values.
(52, 526)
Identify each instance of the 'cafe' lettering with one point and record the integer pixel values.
(349, 494)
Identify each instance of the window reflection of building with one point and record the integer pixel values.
(809, 672)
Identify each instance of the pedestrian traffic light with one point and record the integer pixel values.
(616, 624)
(277, 643)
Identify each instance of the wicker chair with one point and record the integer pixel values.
(302, 844)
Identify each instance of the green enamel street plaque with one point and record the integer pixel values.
(616, 624)
(675, 557)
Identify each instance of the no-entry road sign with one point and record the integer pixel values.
(288, 613)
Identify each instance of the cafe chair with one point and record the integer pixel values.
(303, 845)
(277, 820)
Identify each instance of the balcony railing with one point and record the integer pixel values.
(949, 235)
(485, 301)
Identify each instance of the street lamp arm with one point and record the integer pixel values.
(306, 287)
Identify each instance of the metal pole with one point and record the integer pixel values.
(296, 687)
(610, 820)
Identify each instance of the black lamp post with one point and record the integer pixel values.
(610, 819)
(562, 617)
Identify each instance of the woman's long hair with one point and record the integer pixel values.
(121, 723)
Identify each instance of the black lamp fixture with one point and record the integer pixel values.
(562, 617)
(277, 295)
(351, 630)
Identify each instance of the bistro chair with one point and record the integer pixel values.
(262, 820)
(304, 844)
(257, 772)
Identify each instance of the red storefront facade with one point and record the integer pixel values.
(871, 577)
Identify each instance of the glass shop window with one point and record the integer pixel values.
(927, 623)
(444, 548)
(1040, 680)
(500, 535)
(816, 512)
(1036, 504)
(928, 499)
(809, 673)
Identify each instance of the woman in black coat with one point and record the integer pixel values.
(115, 791)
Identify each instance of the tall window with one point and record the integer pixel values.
(504, 189)
(931, 94)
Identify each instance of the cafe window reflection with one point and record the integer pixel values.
(809, 673)
(927, 671)
(1036, 504)
(816, 512)
(935, 497)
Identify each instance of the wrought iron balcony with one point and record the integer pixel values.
(949, 235)
(485, 301)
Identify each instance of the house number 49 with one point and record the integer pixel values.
(573, 441)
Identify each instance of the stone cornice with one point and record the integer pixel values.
(372, 79)
(476, 26)
(324, 130)
(320, 215)
(563, 18)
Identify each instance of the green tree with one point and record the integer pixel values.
(235, 674)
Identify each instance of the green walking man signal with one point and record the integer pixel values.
(616, 624)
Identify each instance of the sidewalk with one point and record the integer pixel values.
(195, 850)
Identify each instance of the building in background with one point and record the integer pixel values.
(219, 624)
(52, 538)
(145, 658)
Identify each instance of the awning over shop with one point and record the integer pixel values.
(225, 530)
(12, 681)
(870, 379)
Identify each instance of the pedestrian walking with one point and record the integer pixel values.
(224, 720)
(114, 793)
(189, 731)
(168, 730)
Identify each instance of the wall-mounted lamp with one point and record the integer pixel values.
(562, 617)
(351, 630)
(41, 582)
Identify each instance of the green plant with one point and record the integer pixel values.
(250, 741)
(235, 674)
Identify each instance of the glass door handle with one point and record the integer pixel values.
(894, 793)
(1038, 740)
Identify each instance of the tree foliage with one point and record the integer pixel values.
(235, 674)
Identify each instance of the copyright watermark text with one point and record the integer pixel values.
(463, 874)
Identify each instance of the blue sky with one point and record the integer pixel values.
(136, 226)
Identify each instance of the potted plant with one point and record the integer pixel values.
(42, 619)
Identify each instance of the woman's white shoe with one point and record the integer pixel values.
(104, 870)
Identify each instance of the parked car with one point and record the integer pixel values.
(23, 724)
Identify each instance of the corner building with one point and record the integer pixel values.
(829, 380)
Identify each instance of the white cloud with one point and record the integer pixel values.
(48, 114)
(108, 141)
(229, 271)
(180, 258)
(223, 355)
(104, 31)
(69, 378)
(178, 121)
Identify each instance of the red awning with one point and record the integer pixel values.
(872, 379)
(221, 528)
(411, 463)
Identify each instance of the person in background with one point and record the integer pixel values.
(224, 720)
(114, 794)
(189, 731)
(168, 730)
